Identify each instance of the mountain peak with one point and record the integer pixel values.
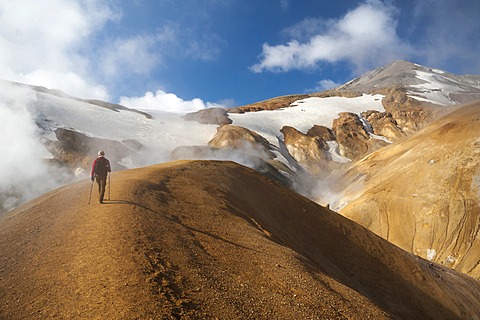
(421, 83)
(398, 73)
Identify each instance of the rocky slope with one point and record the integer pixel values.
(242, 146)
(210, 240)
(423, 193)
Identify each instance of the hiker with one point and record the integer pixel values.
(100, 170)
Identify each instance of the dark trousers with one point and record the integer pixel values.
(102, 182)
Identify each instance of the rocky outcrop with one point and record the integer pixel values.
(383, 124)
(309, 150)
(353, 140)
(321, 132)
(209, 116)
(237, 137)
(351, 136)
(409, 114)
(242, 146)
(413, 119)
(73, 149)
(423, 193)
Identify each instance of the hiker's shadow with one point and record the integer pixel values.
(118, 202)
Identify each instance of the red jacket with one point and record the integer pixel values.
(101, 167)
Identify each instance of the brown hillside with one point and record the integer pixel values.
(423, 193)
(286, 101)
(206, 240)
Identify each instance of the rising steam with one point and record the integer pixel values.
(24, 173)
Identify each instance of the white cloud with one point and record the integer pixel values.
(364, 37)
(136, 54)
(325, 84)
(43, 41)
(69, 45)
(307, 28)
(164, 101)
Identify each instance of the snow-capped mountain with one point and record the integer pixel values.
(421, 83)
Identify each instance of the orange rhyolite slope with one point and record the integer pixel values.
(423, 193)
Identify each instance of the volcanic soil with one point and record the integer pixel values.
(210, 240)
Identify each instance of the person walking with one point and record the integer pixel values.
(100, 170)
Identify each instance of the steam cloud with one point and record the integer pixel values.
(23, 171)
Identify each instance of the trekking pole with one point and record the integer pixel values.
(90, 197)
(109, 188)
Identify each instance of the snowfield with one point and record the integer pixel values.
(160, 134)
(437, 87)
(166, 131)
(304, 114)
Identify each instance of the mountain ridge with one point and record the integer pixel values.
(193, 239)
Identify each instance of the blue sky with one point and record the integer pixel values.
(183, 55)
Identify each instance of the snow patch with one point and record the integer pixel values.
(377, 137)
(437, 87)
(334, 153)
(431, 254)
(160, 134)
(366, 125)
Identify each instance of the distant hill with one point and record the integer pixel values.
(210, 239)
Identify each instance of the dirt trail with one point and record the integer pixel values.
(68, 259)
(206, 240)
